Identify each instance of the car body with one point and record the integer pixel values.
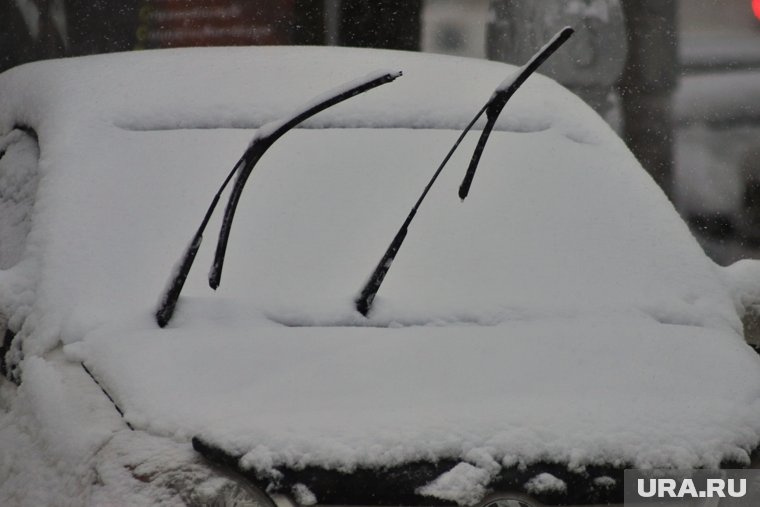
(559, 326)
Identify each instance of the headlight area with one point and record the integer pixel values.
(134, 467)
(217, 491)
(196, 483)
(506, 500)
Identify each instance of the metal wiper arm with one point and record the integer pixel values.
(492, 108)
(264, 138)
(367, 295)
(169, 299)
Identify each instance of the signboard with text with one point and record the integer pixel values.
(182, 23)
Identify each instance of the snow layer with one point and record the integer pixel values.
(247, 87)
(544, 483)
(63, 445)
(581, 391)
(744, 276)
(564, 312)
(463, 484)
(534, 242)
(303, 495)
(18, 182)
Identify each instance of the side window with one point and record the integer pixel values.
(19, 153)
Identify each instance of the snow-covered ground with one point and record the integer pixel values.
(563, 312)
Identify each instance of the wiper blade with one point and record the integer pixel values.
(492, 108)
(367, 295)
(502, 95)
(169, 299)
(264, 138)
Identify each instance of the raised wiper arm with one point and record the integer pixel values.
(492, 108)
(169, 299)
(367, 295)
(264, 138)
(502, 95)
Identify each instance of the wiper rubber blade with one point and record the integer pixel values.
(502, 95)
(492, 108)
(264, 138)
(367, 295)
(169, 299)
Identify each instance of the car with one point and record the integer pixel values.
(528, 345)
(717, 123)
(717, 156)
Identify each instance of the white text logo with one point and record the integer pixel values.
(685, 488)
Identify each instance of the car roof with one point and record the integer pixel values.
(247, 87)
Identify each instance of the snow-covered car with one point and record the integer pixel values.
(528, 345)
(718, 160)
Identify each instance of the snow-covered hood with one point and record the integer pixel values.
(563, 312)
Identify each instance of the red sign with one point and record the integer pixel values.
(180, 23)
(756, 8)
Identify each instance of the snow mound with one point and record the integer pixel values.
(463, 484)
(581, 391)
(545, 483)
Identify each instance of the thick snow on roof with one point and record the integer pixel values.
(563, 311)
(247, 87)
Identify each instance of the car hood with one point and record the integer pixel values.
(577, 390)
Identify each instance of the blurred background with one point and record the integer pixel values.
(679, 80)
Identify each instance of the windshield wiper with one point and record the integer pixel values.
(492, 108)
(264, 138)
(502, 95)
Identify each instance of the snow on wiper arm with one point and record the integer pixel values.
(492, 108)
(502, 95)
(177, 279)
(263, 139)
